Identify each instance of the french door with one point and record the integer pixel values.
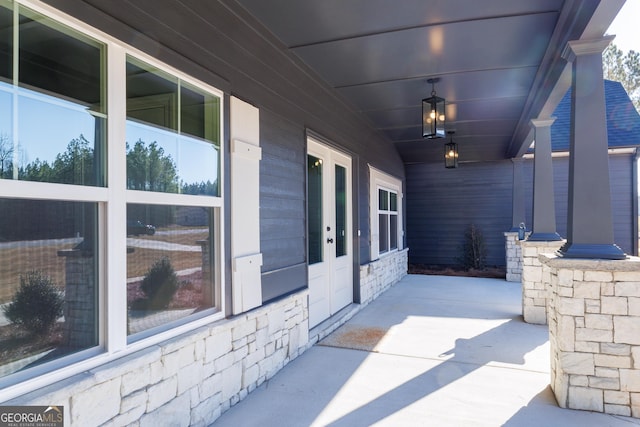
(330, 248)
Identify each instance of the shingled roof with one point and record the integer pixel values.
(623, 120)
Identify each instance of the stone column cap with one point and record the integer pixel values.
(632, 263)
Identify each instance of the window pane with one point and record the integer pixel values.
(59, 131)
(170, 268)
(199, 113)
(341, 211)
(163, 161)
(393, 231)
(48, 281)
(170, 148)
(393, 202)
(383, 200)
(6, 42)
(383, 230)
(314, 195)
(59, 61)
(59, 141)
(152, 95)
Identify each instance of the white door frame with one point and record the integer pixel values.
(331, 277)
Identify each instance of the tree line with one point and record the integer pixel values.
(624, 68)
(149, 168)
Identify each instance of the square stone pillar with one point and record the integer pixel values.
(535, 290)
(513, 256)
(594, 333)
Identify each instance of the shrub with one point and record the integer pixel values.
(36, 305)
(160, 284)
(474, 250)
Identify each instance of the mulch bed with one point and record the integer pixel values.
(447, 270)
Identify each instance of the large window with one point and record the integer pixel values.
(110, 199)
(385, 213)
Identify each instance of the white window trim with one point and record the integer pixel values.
(112, 202)
(381, 180)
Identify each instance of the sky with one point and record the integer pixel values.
(626, 27)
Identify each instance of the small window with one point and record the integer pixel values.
(387, 220)
(385, 213)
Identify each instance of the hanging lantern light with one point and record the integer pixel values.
(451, 153)
(433, 114)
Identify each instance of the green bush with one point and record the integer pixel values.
(160, 284)
(36, 305)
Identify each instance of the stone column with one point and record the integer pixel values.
(589, 219)
(594, 333)
(535, 289)
(514, 256)
(80, 299)
(543, 228)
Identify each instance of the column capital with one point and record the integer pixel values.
(540, 123)
(585, 47)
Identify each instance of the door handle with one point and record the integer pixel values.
(329, 240)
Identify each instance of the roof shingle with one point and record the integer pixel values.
(623, 121)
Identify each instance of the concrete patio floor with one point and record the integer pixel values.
(431, 351)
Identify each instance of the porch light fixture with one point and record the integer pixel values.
(451, 153)
(433, 114)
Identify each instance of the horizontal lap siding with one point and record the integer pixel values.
(282, 202)
(441, 204)
(621, 175)
(621, 181)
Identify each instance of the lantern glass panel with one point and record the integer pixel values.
(433, 117)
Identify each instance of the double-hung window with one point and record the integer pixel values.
(387, 220)
(385, 213)
(172, 176)
(110, 196)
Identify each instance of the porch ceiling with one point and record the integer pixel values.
(498, 62)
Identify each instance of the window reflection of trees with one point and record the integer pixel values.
(148, 168)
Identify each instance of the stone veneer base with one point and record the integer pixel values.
(513, 256)
(594, 333)
(535, 292)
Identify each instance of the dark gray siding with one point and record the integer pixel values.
(219, 43)
(441, 203)
(622, 200)
(282, 205)
(622, 197)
